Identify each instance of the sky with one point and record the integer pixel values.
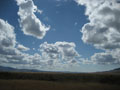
(60, 35)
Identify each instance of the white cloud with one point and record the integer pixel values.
(103, 28)
(9, 54)
(30, 24)
(49, 50)
(104, 58)
(107, 57)
(7, 35)
(67, 49)
(22, 48)
(60, 50)
(60, 54)
(40, 11)
(7, 38)
(8, 43)
(55, 56)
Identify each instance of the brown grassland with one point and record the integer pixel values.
(59, 81)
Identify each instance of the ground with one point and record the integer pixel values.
(58, 81)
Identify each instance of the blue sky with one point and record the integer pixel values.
(67, 20)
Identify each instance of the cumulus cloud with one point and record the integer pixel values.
(9, 54)
(7, 35)
(105, 58)
(60, 54)
(67, 49)
(7, 38)
(22, 48)
(8, 43)
(30, 24)
(59, 50)
(57, 55)
(103, 28)
(49, 50)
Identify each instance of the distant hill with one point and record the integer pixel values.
(9, 69)
(114, 71)
(117, 70)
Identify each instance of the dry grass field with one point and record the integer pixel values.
(49, 85)
(58, 81)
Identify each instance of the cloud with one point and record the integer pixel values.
(22, 48)
(59, 50)
(7, 35)
(49, 50)
(102, 33)
(7, 38)
(30, 24)
(103, 58)
(55, 56)
(59, 54)
(108, 57)
(8, 43)
(40, 11)
(103, 28)
(9, 54)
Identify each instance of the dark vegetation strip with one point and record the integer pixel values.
(63, 77)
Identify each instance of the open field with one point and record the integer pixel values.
(49, 85)
(59, 81)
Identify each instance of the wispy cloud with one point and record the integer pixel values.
(22, 48)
